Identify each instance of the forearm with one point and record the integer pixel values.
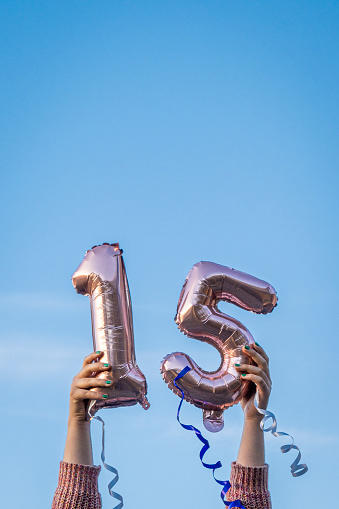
(78, 448)
(252, 448)
(249, 475)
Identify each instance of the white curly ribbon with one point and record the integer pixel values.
(297, 468)
(108, 467)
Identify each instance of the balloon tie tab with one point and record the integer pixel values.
(297, 469)
(212, 466)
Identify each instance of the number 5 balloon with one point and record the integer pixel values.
(199, 318)
(102, 276)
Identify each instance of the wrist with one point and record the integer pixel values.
(75, 423)
(253, 420)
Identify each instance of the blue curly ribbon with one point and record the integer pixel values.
(297, 468)
(108, 467)
(212, 466)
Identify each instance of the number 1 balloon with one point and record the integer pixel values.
(199, 318)
(102, 276)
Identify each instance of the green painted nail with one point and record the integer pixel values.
(247, 347)
(98, 351)
(105, 396)
(238, 365)
(257, 344)
(244, 374)
(106, 365)
(108, 382)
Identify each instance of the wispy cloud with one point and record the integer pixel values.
(39, 301)
(32, 359)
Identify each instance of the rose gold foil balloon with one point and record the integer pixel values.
(199, 317)
(102, 276)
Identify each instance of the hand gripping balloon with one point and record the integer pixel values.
(199, 318)
(102, 276)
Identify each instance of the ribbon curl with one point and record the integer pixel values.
(108, 467)
(212, 466)
(297, 469)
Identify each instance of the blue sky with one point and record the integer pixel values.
(186, 131)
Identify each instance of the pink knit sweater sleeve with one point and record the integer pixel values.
(250, 486)
(77, 487)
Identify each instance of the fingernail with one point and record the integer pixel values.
(243, 374)
(108, 382)
(257, 344)
(237, 365)
(106, 365)
(98, 351)
(105, 396)
(247, 347)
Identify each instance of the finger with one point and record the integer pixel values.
(263, 389)
(254, 370)
(93, 369)
(92, 383)
(261, 351)
(257, 358)
(92, 357)
(258, 348)
(81, 394)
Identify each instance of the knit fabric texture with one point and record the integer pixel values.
(77, 487)
(250, 486)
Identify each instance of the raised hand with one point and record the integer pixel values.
(82, 384)
(85, 386)
(258, 373)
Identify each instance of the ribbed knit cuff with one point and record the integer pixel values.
(250, 486)
(77, 487)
